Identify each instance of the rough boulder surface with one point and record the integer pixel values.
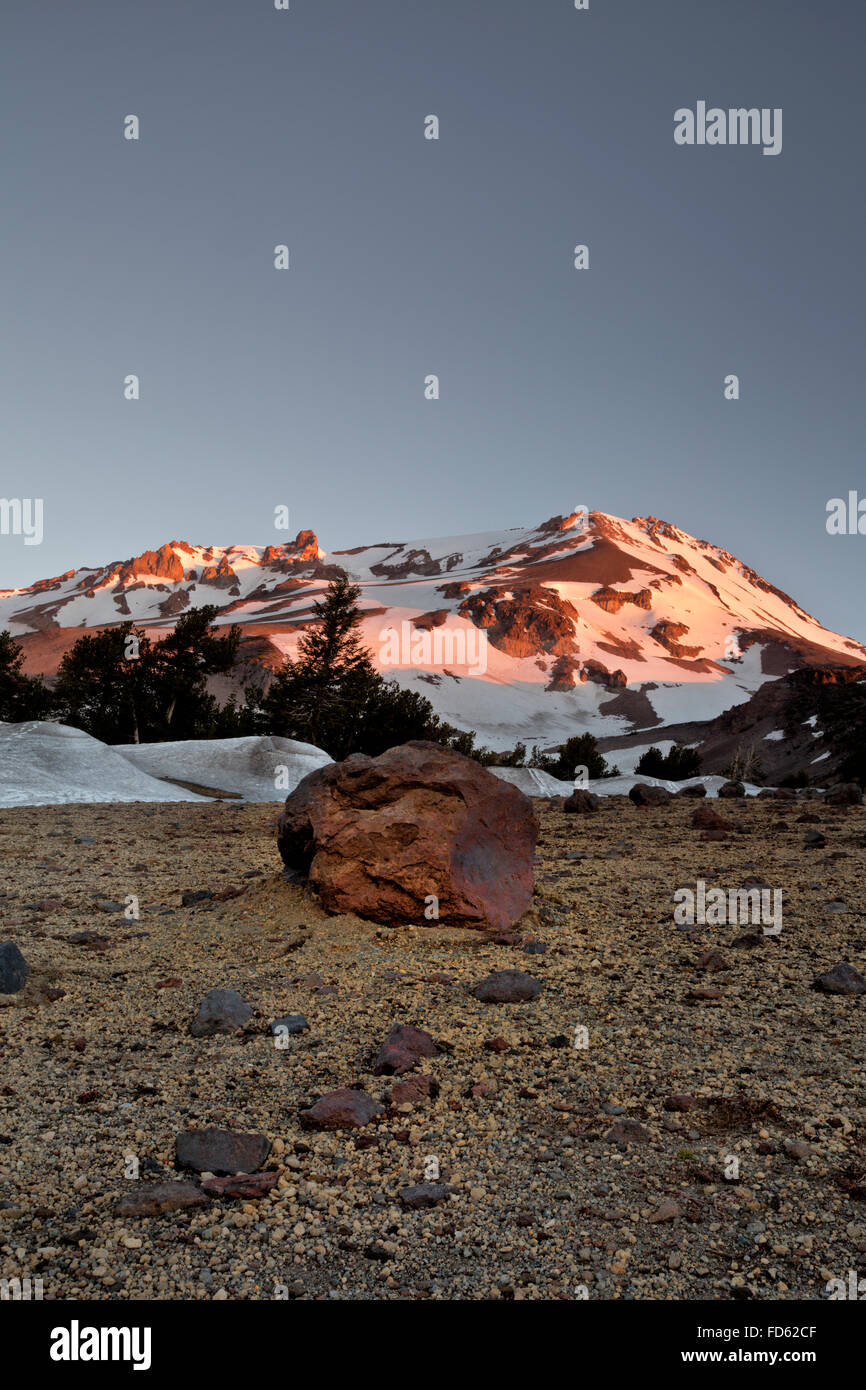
(380, 836)
(732, 790)
(847, 794)
(158, 1199)
(580, 802)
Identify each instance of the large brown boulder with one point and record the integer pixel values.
(381, 836)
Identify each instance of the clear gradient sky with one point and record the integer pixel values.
(409, 257)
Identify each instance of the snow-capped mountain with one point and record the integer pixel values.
(583, 622)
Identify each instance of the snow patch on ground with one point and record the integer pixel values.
(533, 781)
(43, 764)
(256, 769)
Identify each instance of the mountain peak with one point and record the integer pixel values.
(584, 621)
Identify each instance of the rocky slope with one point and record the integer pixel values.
(809, 724)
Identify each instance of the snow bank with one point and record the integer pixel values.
(43, 764)
(256, 769)
(533, 782)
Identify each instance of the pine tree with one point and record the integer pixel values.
(331, 695)
(122, 688)
(22, 697)
(322, 696)
(181, 663)
(104, 687)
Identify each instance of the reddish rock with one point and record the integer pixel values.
(220, 575)
(580, 802)
(343, 1109)
(681, 1103)
(707, 818)
(247, 1185)
(712, 961)
(847, 794)
(732, 790)
(627, 1132)
(536, 620)
(667, 634)
(413, 1091)
(378, 836)
(403, 1049)
(162, 563)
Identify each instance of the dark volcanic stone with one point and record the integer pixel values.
(732, 789)
(289, 1025)
(814, 840)
(580, 802)
(846, 794)
(13, 969)
(507, 987)
(221, 1151)
(841, 979)
(644, 795)
(627, 1132)
(423, 1194)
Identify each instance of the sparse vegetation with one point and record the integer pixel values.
(745, 765)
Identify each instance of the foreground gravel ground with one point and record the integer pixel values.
(551, 1194)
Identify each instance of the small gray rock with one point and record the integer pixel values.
(289, 1024)
(221, 1011)
(423, 1194)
